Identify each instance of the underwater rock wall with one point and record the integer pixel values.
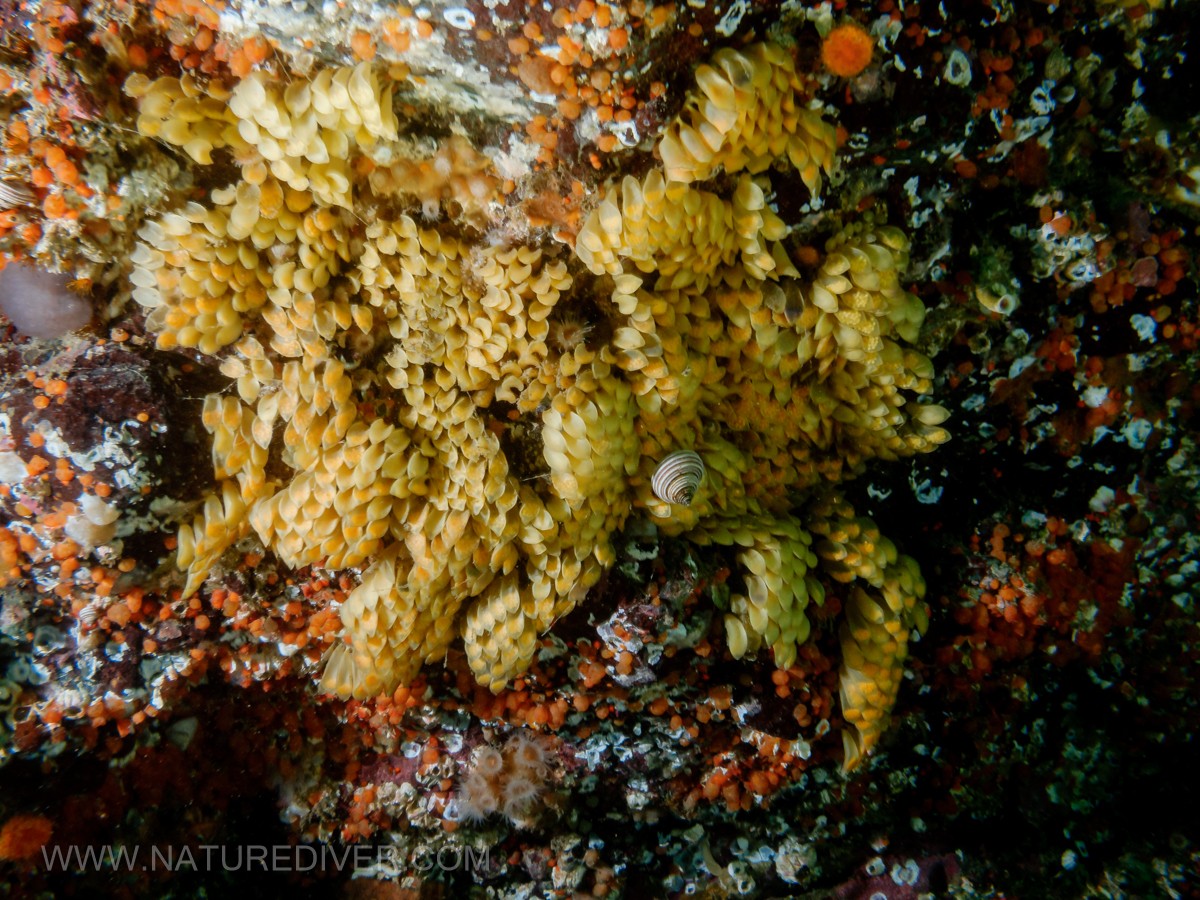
(628, 449)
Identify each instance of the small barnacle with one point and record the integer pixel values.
(459, 17)
(10, 694)
(729, 22)
(1004, 304)
(958, 68)
(626, 133)
(1082, 271)
(91, 613)
(979, 342)
(678, 477)
(1041, 100)
(47, 638)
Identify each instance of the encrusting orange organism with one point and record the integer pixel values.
(847, 50)
(23, 835)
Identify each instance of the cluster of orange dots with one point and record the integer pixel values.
(55, 175)
(1160, 256)
(742, 781)
(545, 700)
(811, 682)
(36, 538)
(1059, 349)
(361, 820)
(1185, 332)
(191, 28)
(194, 41)
(133, 615)
(521, 703)
(309, 625)
(1037, 589)
(365, 815)
(576, 76)
(1007, 612)
(1000, 88)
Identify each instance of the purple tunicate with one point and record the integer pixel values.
(39, 303)
(1144, 272)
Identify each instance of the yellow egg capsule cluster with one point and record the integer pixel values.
(221, 523)
(239, 447)
(746, 114)
(200, 269)
(453, 533)
(483, 322)
(412, 276)
(775, 562)
(565, 552)
(658, 344)
(367, 351)
(874, 636)
(428, 491)
(501, 632)
(502, 625)
(812, 379)
(306, 130)
(856, 300)
(502, 321)
(380, 617)
(688, 236)
(874, 645)
(587, 436)
(340, 509)
(590, 449)
(184, 113)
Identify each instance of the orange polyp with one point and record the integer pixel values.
(239, 65)
(256, 49)
(847, 50)
(363, 45)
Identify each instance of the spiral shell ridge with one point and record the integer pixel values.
(678, 477)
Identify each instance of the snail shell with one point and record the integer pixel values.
(678, 477)
(89, 615)
(13, 193)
